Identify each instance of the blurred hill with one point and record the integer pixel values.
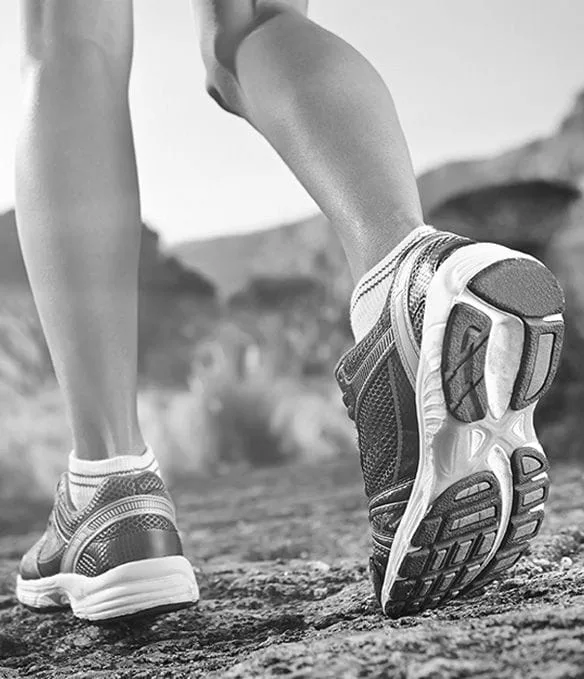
(158, 271)
(291, 250)
(297, 249)
(528, 198)
(559, 156)
(284, 292)
(177, 305)
(12, 271)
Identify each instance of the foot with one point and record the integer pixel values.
(121, 555)
(442, 390)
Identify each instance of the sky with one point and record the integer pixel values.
(469, 77)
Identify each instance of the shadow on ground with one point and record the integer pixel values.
(280, 556)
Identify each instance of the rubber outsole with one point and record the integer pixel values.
(463, 363)
(134, 589)
(144, 614)
(530, 491)
(500, 346)
(450, 545)
(537, 298)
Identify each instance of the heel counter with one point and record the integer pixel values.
(134, 538)
(132, 526)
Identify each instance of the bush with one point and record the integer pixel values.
(199, 431)
(255, 422)
(34, 445)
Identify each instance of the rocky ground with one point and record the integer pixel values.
(280, 556)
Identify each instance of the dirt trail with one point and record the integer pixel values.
(281, 555)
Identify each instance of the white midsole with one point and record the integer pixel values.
(451, 450)
(124, 590)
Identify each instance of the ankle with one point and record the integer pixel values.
(96, 446)
(366, 254)
(370, 294)
(85, 476)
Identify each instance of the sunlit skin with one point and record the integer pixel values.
(320, 104)
(78, 211)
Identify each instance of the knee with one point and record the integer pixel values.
(219, 46)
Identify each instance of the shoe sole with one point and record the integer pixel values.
(145, 587)
(492, 338)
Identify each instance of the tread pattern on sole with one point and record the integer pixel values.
(530, 490)
(451, 544)
(527, 290)
(519, 286)
(463, 363)
(539, 362)
(154, 611)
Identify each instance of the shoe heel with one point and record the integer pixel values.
(491, 344)
(138, 587)
(529, 302)
(528, 290)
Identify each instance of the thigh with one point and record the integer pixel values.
(106, 25)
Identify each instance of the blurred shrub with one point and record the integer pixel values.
(239, 418)
(256, 421)
(299, 323)
(25, 364)
(213, 426)
(34, 444)
(177, 308)
(263, 422)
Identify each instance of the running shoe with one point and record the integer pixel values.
(119, 556)
(442, 391)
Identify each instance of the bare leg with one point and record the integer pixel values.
(78, 211)
(324, 109)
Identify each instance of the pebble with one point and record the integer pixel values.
(321, 566)
(83, 641)
(542, 565)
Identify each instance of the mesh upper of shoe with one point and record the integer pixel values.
(44, 558)
(383, 403)
(423, 269)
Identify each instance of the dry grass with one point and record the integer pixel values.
(34, 444)
(253, 422)
(200, 431)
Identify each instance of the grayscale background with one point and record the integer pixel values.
(244, 313)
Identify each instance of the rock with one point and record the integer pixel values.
(544, 219)
(559, 156)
